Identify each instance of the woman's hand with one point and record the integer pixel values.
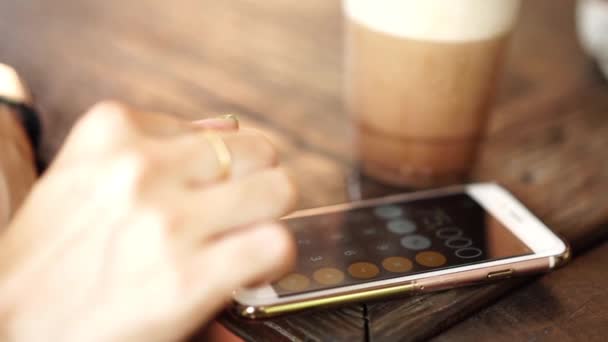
(132, 234)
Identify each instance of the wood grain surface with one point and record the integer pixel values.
(278, 64)
(570, 304)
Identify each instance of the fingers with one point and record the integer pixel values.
(160, 125)
(261, 197)
(257, 193)
(110, 125)
(102, 129)
(163, 125)
(258, 254)
(255, 255)
(182, 147)
(111, 119)
(199, 160)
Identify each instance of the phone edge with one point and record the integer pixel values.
(419, 286)
(424, 285)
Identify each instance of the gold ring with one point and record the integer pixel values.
(12, 87)
(222, 153)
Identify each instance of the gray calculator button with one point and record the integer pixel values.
(401, 226)
(383, 247)
(468, 253)
(304, 242)
(448, 232)
(369, 231)
(458, 242)
(415, 242)
(316, 258)
(388, 211)
(350, 252)
(337, 236)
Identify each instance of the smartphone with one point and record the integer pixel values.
(411, 243)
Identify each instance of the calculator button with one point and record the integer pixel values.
(369, 231)
(358, 216)
(448, 232)
(397, 264)
(350, 252)
(458, 242)
(415, 242)
(383, 247)
(337, 237)
(316, 258)
(468, 253)
(401, 226)
(328, 220)
(294, 282)
(328, 276)
(296, 225)
(388, 211)
(363, 270)
(304, 242)
(430, 259)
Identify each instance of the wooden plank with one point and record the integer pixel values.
(568, 305)
(343, 324)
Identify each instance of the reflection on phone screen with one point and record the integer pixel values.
(381, 242)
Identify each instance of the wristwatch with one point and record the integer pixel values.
(15, 95)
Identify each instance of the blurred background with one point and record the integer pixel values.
(278, 64)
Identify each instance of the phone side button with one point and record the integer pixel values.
(502, 274)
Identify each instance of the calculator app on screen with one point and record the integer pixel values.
(394, 240)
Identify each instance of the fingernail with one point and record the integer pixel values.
(12, 86)
(229, 117)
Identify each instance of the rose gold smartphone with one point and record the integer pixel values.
(411, 243)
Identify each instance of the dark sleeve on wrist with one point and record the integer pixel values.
(30, 120)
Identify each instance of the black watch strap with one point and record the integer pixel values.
(30, 120)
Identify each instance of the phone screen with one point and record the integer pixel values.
(394, 240)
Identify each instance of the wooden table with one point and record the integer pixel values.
(278, 64)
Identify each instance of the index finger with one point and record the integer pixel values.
(165, 125)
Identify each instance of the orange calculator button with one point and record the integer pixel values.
(397, 264)
(430, 259)
(328, 276)
(363, 270)
(294, 282)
